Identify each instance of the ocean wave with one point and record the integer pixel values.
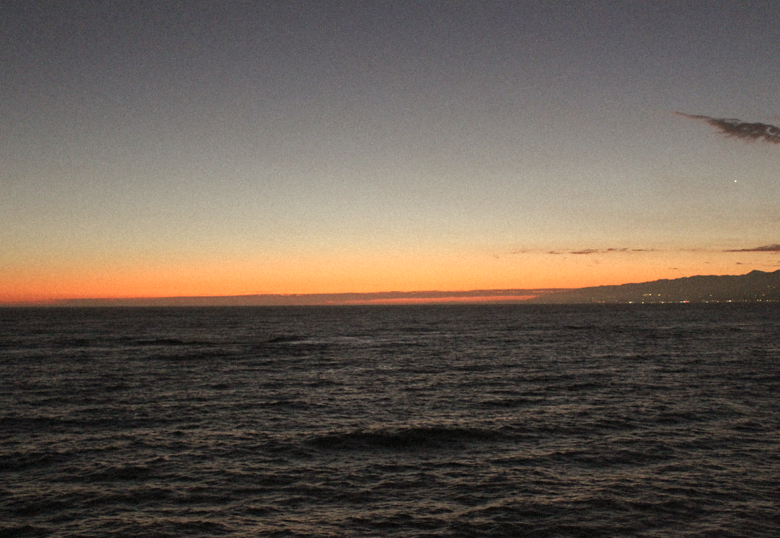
(409, 438)
(495, 422)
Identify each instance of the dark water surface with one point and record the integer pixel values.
(391, 421)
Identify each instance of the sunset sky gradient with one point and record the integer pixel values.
(155, 149)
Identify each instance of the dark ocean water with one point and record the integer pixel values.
(391, 421)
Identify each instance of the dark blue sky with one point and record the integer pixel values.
(241, 147)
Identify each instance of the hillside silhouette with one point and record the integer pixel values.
(754, 286)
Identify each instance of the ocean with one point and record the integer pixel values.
(448, 420)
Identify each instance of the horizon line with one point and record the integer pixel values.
(504, 295)
(302, 299)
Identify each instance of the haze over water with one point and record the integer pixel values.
(480, 420)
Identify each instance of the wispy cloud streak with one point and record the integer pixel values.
(765, 248)
(588, 251)
(733, 128)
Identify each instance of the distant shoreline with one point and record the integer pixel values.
(318, 299)
(756, 286)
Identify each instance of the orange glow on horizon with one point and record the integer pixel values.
(328, 274)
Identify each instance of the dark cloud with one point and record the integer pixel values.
(734, 128)
(586, 251)
(765, 248)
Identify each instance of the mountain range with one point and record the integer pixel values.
(754, 286)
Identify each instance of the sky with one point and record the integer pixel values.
(189, 148)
